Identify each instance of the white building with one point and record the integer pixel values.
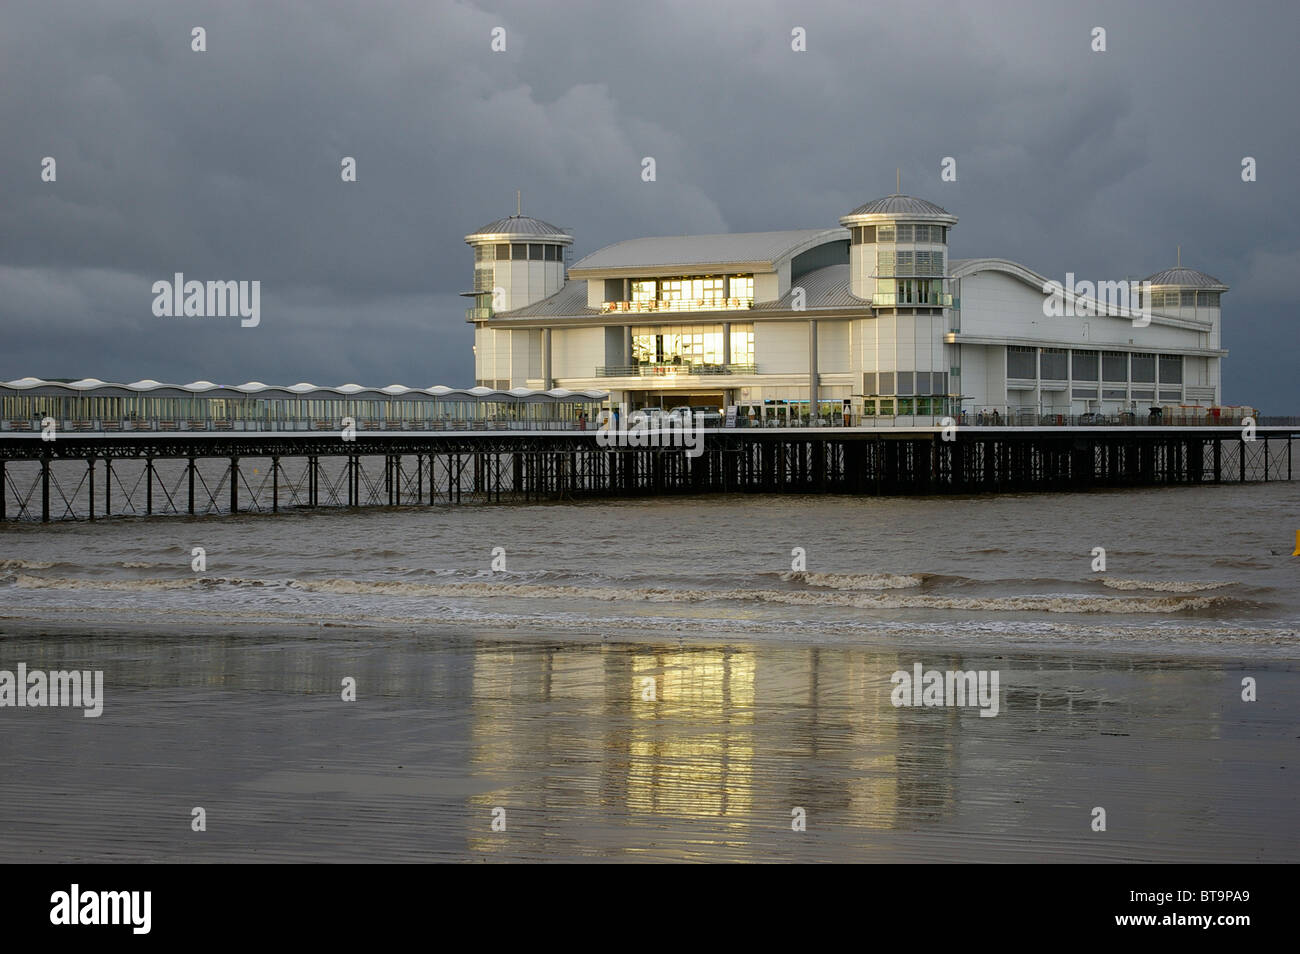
(873, 313)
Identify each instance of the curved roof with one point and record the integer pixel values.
(755, 251)
(519, 226)
(310, 391)
(1185, 278)
(963, 267)
(826, 287)
(899, 205)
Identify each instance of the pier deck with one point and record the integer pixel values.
(91, 475)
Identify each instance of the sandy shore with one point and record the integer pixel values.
(562, 733)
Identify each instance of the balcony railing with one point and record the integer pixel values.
(671, 370)
(478, 314)
(888, 300)
(677, 304)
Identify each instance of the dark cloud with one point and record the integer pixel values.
(225, 164)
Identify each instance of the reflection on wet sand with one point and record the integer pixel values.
(635, 751)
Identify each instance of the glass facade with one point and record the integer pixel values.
(691, 345)
(694, 293)
(116, 407)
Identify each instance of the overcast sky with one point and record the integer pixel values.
(225, 164)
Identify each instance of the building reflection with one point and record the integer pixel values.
(621, 734)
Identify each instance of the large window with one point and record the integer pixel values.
(1144, 368)
(1114, 366)
(695, 290)
(1083, 365)
(1171, 369)
(741, 286)
(1053, 364)
(1021, 362)
(908, 291)
(691, 345)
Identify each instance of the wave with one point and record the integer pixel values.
(26, 565)
(849, 599)
(856, 581)
(1166, 586)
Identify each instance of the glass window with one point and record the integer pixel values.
(906, 383)
(1021, 362)
(886, 382)
(742, 344)
(1208, 299)
(535, 252)
(869, 383)
(1114, 366)
(1187, 298)
(884, 233)
(884, 261)
(503, 253)
(904, 233)
(1083, 365)
(518, 253)
(1144, 368)
(1053, 364)
(1171, 369)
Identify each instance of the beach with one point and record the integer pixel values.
(651, 681)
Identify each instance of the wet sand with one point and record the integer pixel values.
(249, 724)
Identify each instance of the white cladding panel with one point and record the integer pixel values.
(833, 347)
(781, 347)
(577, 352)
(994, 304)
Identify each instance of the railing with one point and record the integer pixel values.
(1003, 416)
(671, 370)
(296, 426)
(478, 314)
(677, 304)
(889, 300)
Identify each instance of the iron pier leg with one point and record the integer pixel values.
(45, 489)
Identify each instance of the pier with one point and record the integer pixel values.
(89, 476)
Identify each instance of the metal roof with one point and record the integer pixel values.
(1186, 278)
(759, 250)
(303, 390)
(827, 287)
(899, 205)
(520, 226)
(569, 302)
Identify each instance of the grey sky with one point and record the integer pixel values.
(225, 164)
